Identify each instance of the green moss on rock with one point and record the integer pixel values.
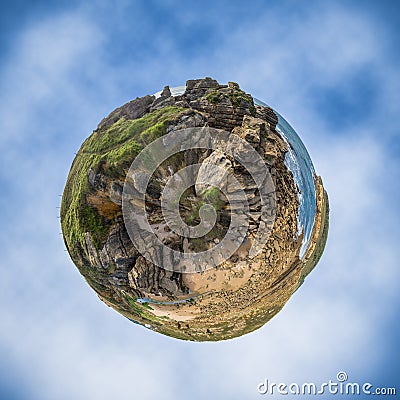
(112, 149)
(214, 97)
(238, 97)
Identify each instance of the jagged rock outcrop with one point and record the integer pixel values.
(240, 294)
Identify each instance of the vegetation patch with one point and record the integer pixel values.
(112, 137)
(213, 196)
(237, 97)
(146, 305)
(93, 222)
(114, 147)
(214, 97)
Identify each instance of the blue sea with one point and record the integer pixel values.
(298, 161)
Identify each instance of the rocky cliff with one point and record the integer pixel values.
(237, 296)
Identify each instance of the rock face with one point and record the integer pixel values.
(240, 294)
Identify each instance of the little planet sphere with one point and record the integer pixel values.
(195, 212)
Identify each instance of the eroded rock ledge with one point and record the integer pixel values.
(236, 297)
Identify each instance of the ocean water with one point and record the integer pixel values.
(175, 91)
(298, 161)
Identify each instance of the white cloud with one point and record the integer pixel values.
(70, 345)
(41, 70)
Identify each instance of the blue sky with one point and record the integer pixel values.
(330, 68)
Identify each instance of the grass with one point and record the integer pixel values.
(73, 206)
(139, 310)
(238, 96)
(146, 305)
(94, 223)
(212, 196)
(123, 130)
(214, 97)
(112, 149)
(209, 196)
